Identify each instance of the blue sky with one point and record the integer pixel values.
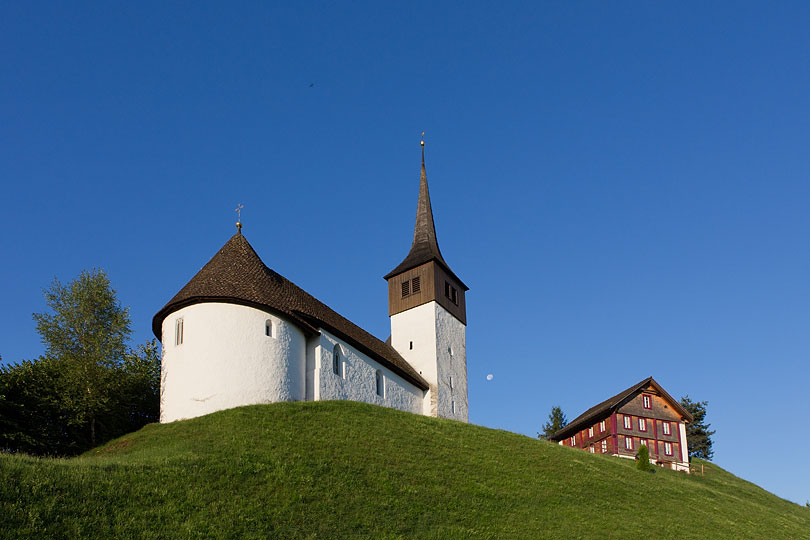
(623, 186)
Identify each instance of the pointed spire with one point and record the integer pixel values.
(425, 245)
(424, 230)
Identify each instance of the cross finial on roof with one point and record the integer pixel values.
(238, 211)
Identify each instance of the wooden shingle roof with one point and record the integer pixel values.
(611, 405)
(237, 275)
(425, 246)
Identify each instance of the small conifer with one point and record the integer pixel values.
(643, 463)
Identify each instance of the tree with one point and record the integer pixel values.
(88, 387)
(556, 421)
(643, 463)
(698, 435)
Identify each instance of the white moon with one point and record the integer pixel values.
(490, 377)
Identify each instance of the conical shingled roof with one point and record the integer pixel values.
(425, 245)
(237, 275)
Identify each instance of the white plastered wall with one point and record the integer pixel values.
(226, 360)
(434, 342)
(357, 379)
(684, 447)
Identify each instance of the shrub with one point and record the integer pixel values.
(643, 458)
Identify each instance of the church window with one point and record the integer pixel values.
(450, 350)
(406, 288)
(336, 360)
(380, 384)
(453, 407)
(450, 292)
(268, 328)
(411, 345)
(178, 331)
(416, 285)
(451, 382)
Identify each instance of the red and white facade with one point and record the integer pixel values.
(643, 414)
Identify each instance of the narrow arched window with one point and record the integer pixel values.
(178, 331)
(268, 328)
(380, 384)
(336, 360)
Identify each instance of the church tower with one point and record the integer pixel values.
(426, 303)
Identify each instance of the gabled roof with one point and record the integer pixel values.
(425, 246)
(237, 275)
(611, 405)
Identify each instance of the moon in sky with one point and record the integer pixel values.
(490, 377)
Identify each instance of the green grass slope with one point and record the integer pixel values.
(349, 470)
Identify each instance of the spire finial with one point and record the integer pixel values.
(422, 142)
(238, 211)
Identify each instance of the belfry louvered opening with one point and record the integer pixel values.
(406, 288)
(416, 285)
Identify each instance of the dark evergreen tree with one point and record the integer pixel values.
(556, 421)
(643, 463)
(698, 434)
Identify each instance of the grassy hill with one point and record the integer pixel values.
(349, 470)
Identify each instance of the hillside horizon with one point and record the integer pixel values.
(348, 470)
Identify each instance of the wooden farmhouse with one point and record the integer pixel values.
(643, 414)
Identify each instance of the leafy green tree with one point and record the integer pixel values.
(87, 333)
(556, 421)
(643, 463)
(88, 387)
(698, 434)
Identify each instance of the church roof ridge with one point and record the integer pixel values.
(425, 246)
(236, 274)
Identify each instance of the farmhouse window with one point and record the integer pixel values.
(628, 443)
(592, 449)
(667, 428)
(668, 448)
(647, 401)
(604, 446)
(642, 424)
(602, 426)
(574, 440)
(628, 422)
(590, 431)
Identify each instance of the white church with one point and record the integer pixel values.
(240, 334)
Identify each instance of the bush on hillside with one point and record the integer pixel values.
(643, 458)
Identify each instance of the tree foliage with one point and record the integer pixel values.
(643, 463)
(556, 421)
(698, 434)
(88, 387)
